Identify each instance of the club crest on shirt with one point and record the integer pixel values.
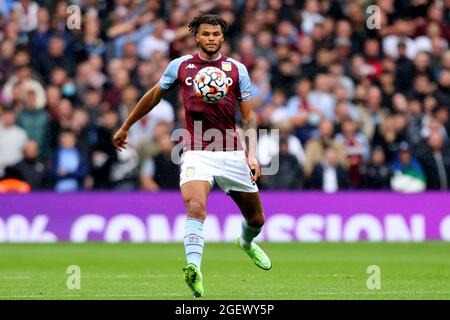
(226, 66)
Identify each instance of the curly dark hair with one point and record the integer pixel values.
(207, 18)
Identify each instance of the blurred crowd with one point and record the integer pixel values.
(358, 105)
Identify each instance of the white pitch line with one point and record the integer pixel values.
(172, 275)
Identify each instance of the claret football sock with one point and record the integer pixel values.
(194, 241)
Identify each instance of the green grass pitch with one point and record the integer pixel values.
(153, 271)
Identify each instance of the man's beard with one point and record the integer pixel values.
(211, 52)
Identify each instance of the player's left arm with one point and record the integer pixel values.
(249, 126)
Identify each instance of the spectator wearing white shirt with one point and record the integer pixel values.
(159, 40)
(310, 16)
(143, 130)
(425, 42)
(12, 140)
(27, 12)
(391, 42)
(328, 175)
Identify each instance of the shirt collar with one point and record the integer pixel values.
(216, 59)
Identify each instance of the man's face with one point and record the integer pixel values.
(209, 38)
(8, 118)
(405, 157)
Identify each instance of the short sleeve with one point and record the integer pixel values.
(244, 84)
(170, 75)
(245, 88)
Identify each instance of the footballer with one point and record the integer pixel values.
(212, 86)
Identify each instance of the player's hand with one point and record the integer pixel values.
(120, 139)
(256, 169)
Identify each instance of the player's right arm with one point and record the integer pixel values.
(168, 80)
(144, 106)
(149, 101)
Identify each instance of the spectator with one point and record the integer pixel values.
(259, 77)
(388, 138)
(12, 140)
(144, 129)
(117, 170)
(414, 122)
(268, 144)
(301, 110)
(376, 174)
(104, 155)
(408, 175)
(55, 57)
(264, 46)
(321, 96)
(404, 69)
(36, 123)
(315, 148)
(290, 174)
(308, 66)
(443, 91)
(92, 43)
(328, 175)
(113, 95)
(160, 172)
(356, 148)
(159, 40)
(70, 165)
(24, 80)
(40, 37)
(125, 171)
(31, 169)
(91, 102)
(441, 114)
(274, 111)
(27, 14)
(435, 160)
(310, 16)
(372, 58)
(5, 9)
(400, 36)
(371, 112)
(7, 50)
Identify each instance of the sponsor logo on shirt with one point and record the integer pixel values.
(191, 66)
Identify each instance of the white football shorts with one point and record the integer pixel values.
(229, 169)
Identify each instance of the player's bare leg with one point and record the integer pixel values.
(251, 207)
(194, 195)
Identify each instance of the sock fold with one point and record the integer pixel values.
(248, 233)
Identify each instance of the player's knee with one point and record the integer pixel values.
(196, 209)
(256, 221)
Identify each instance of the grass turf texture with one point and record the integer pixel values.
(153, 271)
